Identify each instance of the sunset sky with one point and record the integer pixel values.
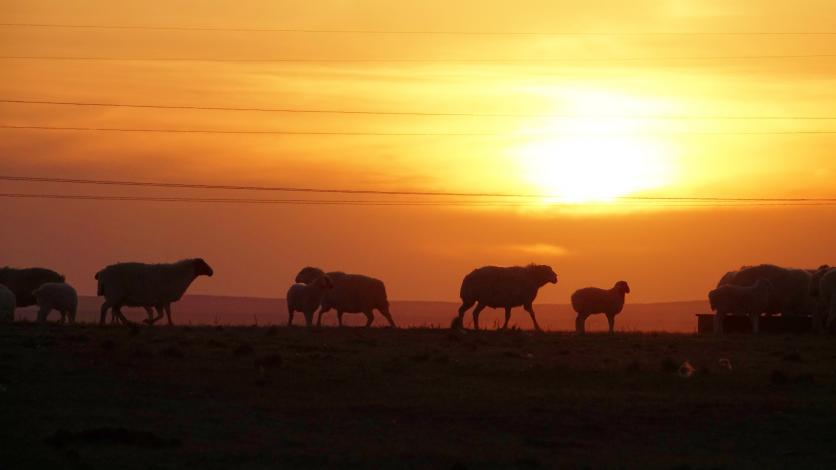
(594, 110)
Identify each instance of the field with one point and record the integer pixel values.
(266, 397)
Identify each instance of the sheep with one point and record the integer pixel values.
(147, 285)
(351, 293)
(7, 304)
(503, 287)
(306, 298)
(56, 296)
(24, 281)
(592, 300)
(791, 288)
(751, 300)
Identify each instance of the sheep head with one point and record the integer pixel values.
(622, 286)
(543, 274)
(309, 274)
(324, 282)
(201, 268)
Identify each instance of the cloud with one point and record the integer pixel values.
(541, 249)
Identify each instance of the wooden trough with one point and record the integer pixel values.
(768, 324)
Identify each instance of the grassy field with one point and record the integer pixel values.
(223, 397)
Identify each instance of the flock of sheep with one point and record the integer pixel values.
(752, 290)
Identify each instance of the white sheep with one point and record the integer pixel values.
(591, 300)
(751, 300)
(7, 304)
(306, 298)
(56, 296)
(147, 285)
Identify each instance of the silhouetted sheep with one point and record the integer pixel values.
(503, 287)
(306, 298)
(750, 300)
(147, 285)
(56, 296)
(591, 300)
(791, 288)
(7, 304)
(351, 293)
(24, 281)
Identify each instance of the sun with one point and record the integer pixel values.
(594, 168)
(595, 156)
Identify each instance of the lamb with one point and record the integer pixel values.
(750, 300)
(7, 304)
(306, 298)
(147, 285)
(503, 287)
(592, 300)
(351, 293)
(56, 296)
(22, 282)
(791, 288)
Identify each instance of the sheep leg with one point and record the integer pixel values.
(507, 318)
(580, 323)
(530, 309)
(466, 304)
(308, 318)
(387, 315)
(168, 314)
(319, 318)
(116, 312)
(104, 308)
(476, 311)
(43, 312)
(340, 317)
(159, 314)
(150, 313)
(611, 321)
(289, 317)
(72, 313)
(63, 316)
(369, 317)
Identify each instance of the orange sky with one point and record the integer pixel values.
(579, 141)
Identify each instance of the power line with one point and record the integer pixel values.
(327, 60)
(403, 134)
(414, 32)
(708, 199)
(87, 197)
(406, 113)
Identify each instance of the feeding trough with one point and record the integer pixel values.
(768, 324)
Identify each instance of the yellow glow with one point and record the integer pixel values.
(596, 159)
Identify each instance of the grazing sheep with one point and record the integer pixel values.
(24, 281)
(503, 287)
(7, 304)
(750, 300)
(791, 288)
(351, 293)
(592, 300)
(306, 298)
(56, 296)
(147, 285)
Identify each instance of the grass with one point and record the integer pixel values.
(218, 397)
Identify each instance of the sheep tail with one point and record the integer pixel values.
(100, 287)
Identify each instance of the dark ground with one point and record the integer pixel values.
(245, 397)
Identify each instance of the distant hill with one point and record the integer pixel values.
(207, 309)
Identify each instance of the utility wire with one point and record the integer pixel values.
(403, 134)
(413, 32)
(413, 113)
(327, 60)
(691, 199)
(88, 197)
